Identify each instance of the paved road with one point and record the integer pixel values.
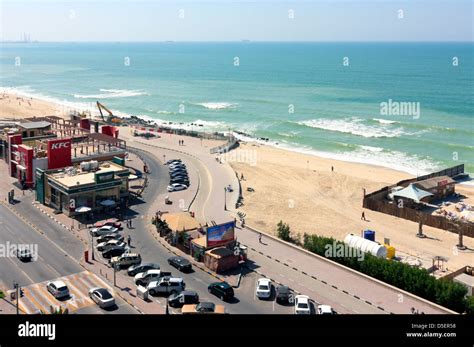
(53, 261)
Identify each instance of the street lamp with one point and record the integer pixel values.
(92, 246)
(164, 158)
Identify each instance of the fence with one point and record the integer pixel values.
(376, 201)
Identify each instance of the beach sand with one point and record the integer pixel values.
(17, 107)
(301, 190)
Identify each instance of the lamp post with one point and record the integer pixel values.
(92, 246)
(164, 159)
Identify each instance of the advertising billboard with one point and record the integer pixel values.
(218, 235)
(59, 153)
(26, 163)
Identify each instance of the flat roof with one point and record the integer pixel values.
(466, 279)
(34, 125)
(84, 178)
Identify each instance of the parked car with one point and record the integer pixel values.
(186, 297)
(143, 278)
(102, 297)
(222, 290)
(107, 229)
(180, 181)
(283, 295)
(58, 289)
(173, 161)
(178, 169)
(108, 237)
(178, 174)
(126, 259)
(177, 165)
(103, 246)
(302, 305)
(182, 264)
(325, 309)
(166, 285)
(135, 269)
(176, 187)
(264, 288)
(114, 251)
(24, 254)
(109, 222)
(203, 307)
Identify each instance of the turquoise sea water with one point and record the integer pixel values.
(337, 110)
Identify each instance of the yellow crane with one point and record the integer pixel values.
(112, 118)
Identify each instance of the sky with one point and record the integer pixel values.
(234, 20)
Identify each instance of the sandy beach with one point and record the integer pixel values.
(303, 191)
(16, 107)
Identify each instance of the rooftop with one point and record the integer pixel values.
(84, 178)
(434, 182)
(34, 125)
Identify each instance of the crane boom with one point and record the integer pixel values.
(112, 118)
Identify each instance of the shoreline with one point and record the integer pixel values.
(41, 106)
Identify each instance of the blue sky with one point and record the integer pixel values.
(225, 20)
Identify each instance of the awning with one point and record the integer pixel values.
(107, 203)
(181, 221)
(413, 193)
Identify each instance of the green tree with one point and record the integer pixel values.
(283, 231)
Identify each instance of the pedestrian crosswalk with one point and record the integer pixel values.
(37, 299)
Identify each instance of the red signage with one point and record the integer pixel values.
(59, 153)
(25, 175)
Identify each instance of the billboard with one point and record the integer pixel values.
(26, 161)
(59, 153)
(218, 235)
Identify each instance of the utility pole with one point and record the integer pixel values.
(225, 198)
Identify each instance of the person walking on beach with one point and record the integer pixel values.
(241, 176)
(332, 168)
(363, 216)
(129, 240)
(260, 238)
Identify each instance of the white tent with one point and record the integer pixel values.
(413, 193)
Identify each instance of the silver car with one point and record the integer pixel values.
(58, 289)
(102, 297)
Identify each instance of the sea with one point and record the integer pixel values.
(406, 106)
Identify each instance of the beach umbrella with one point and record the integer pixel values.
(107, 203)
(83, 209)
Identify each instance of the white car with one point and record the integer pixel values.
(102, 297)
(106, 229)
(103, 246)
(264, 288)
(166, 285)
(302, 304)
(143, 278)
(58, 289)
(174, 187)
(325, 309)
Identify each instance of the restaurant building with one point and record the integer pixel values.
(99, 186)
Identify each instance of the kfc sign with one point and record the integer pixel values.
(59, 153)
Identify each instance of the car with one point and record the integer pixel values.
(166, 285)
(325, 309)
(179, 174)
(177, 164)
(302, 304)
(103, 246)
(108, 237)
(126, 259)
(106, 229)
(24, 254)
(263, 289)
(283, 294)
(186, 297)
(179, 179)
(203, 308)
(171, 161)
(114, 251)
(178, 169)
(176, 187)
(102, 297)
(109, 222)
(222, 290)
(182, 264)
(135, 269)
(143, 278)
(58, 289)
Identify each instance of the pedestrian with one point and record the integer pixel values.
(332, 168)
(130, 223)
(363, 216)
(241, 176)
(260, 237)
(129, 240)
